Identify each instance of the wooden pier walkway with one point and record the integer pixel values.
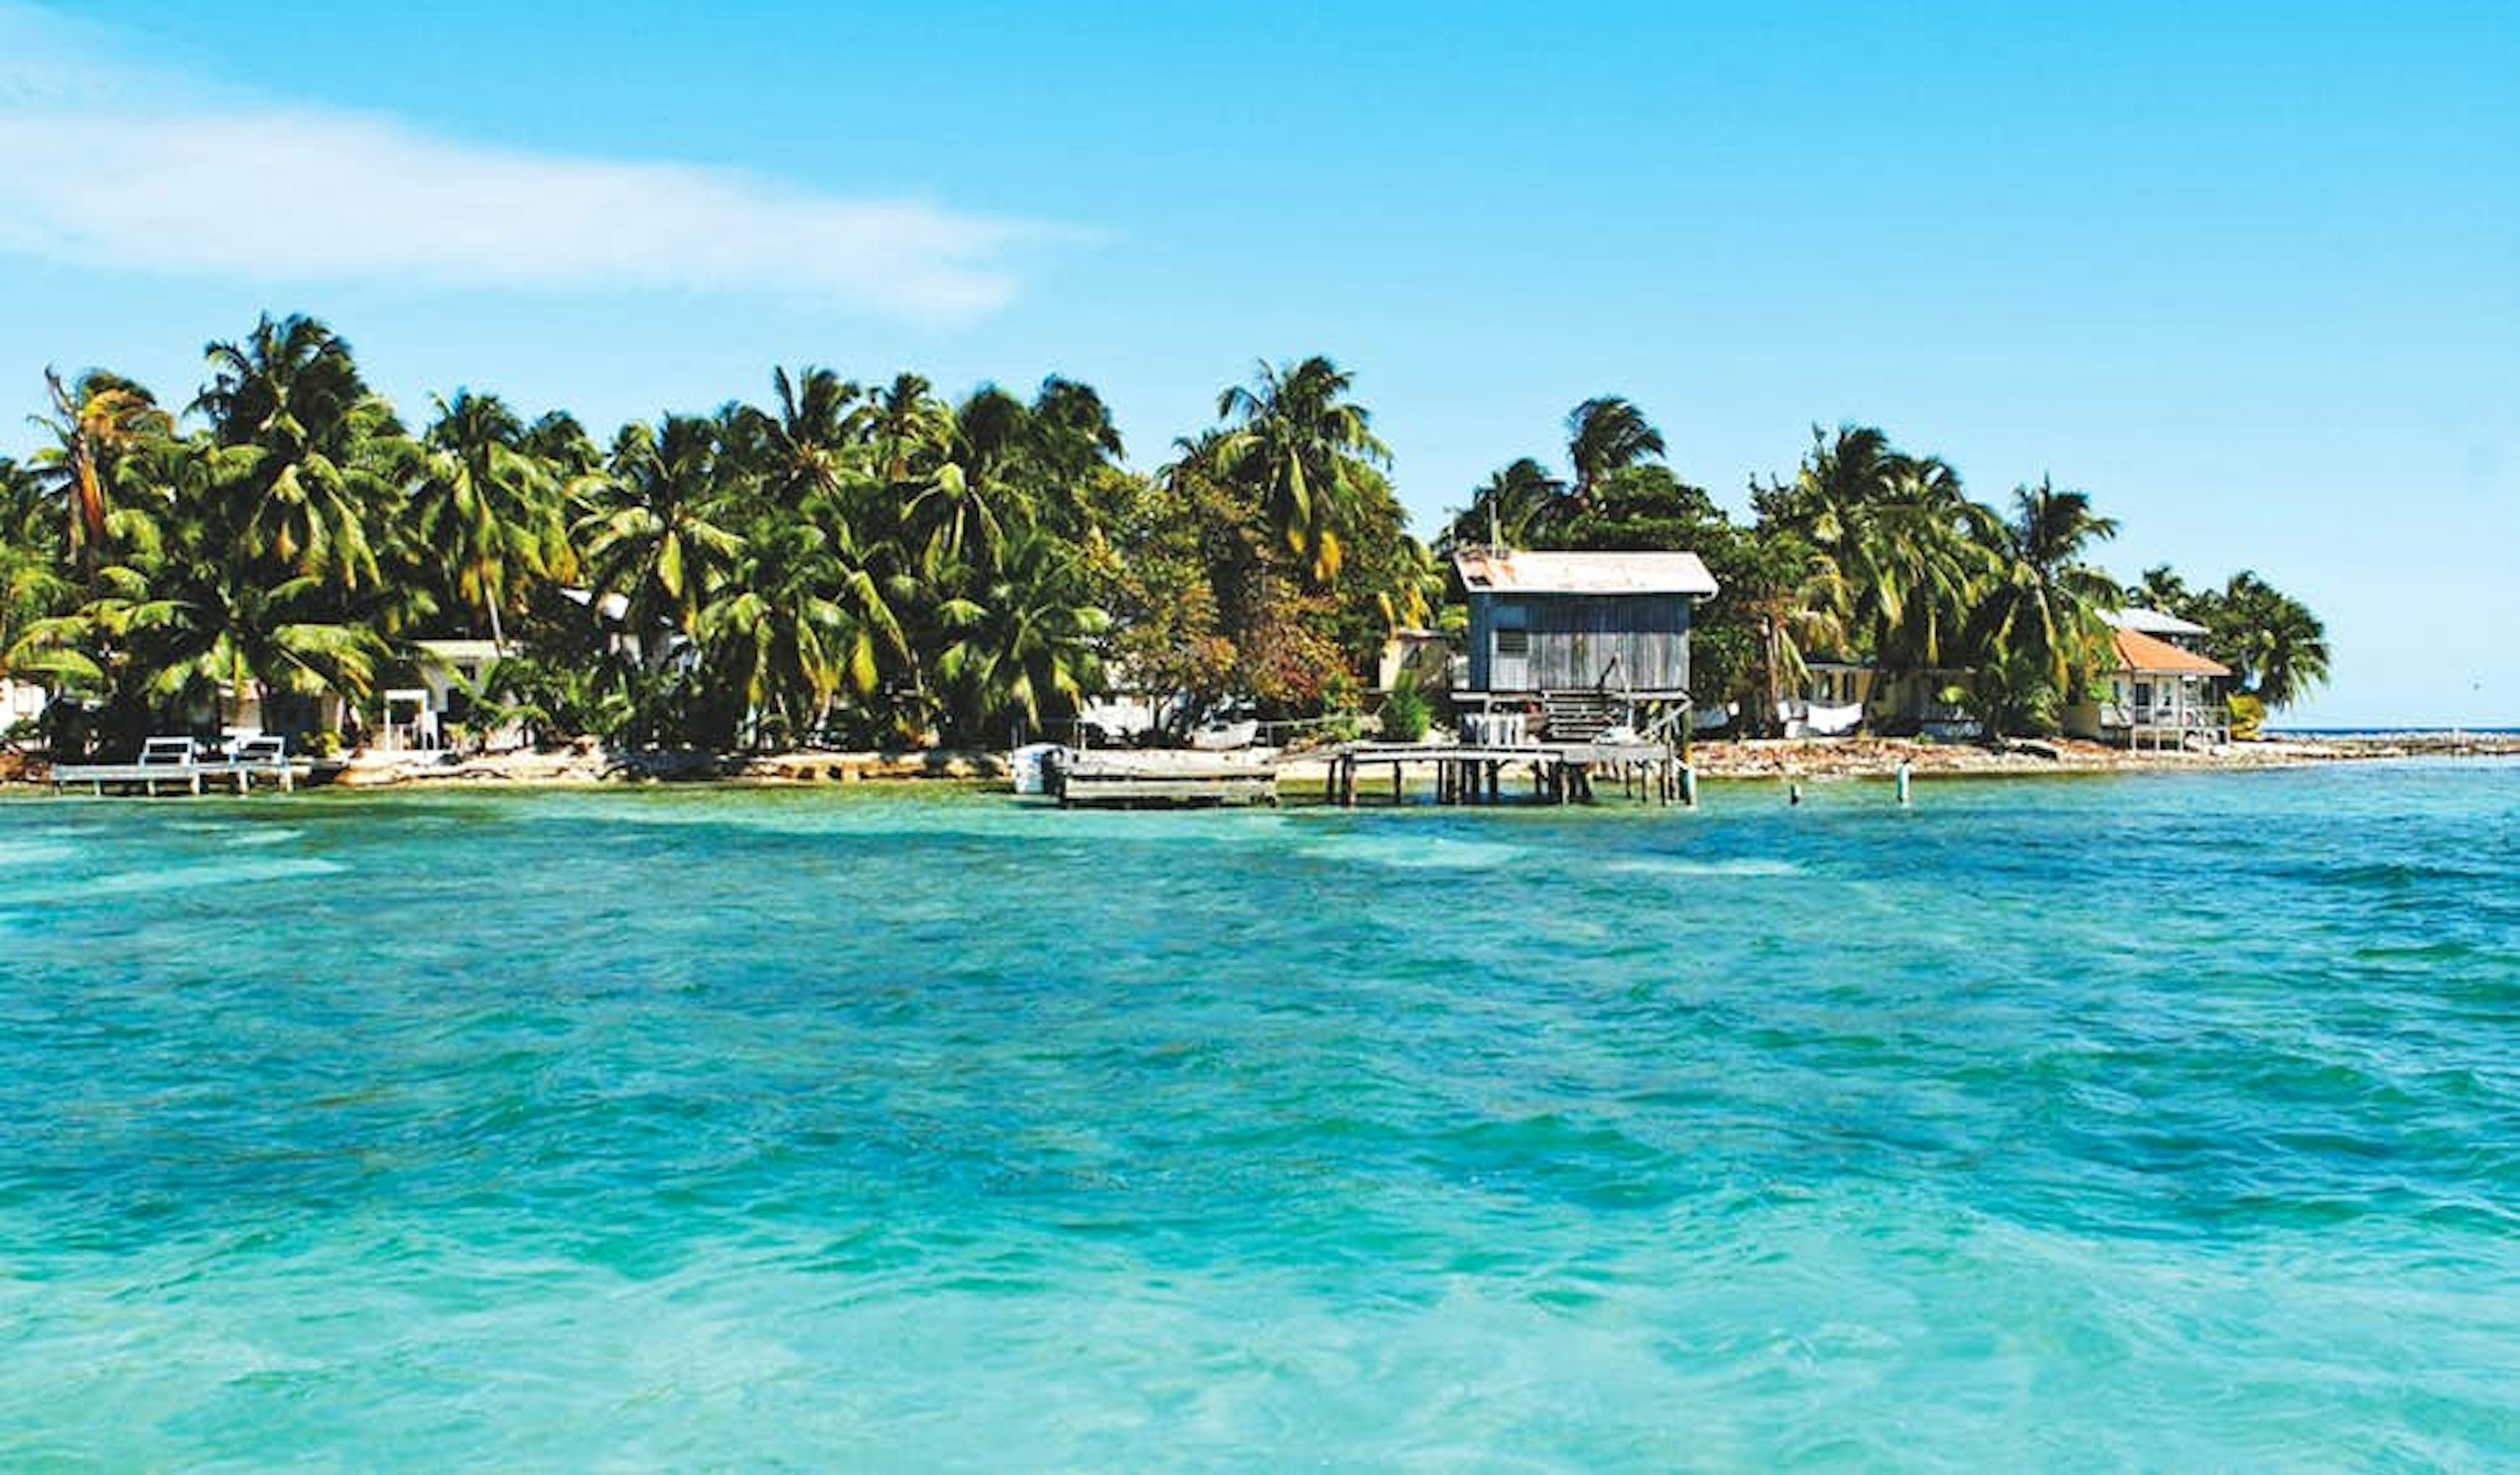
(1476, 773)
(1467, 773)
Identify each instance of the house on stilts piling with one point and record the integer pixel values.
(1578, 671)
(1585, 641)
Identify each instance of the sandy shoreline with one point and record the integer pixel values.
(1750, 759)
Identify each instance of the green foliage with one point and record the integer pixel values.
(1900, 556)
(2014, 693)
(2040, 601)
(2248, 715)
(2275, 647)
(1408, 711)
(1297, 447)
(854, 564)
(554, 701)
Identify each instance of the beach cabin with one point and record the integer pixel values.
(21, 704)
(1594, 640)
(241, 712)
(1834, 699)
(1912, 703)
(2164, 693)
(1423, 654)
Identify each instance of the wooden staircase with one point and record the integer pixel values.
(1579, 716)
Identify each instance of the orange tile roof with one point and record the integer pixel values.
(2140, 652)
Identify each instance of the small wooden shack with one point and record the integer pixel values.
(1580, 634)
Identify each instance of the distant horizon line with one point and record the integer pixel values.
(2353, 729)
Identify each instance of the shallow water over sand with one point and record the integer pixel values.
(2155, 1120)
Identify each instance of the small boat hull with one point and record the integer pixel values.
(1224, 737)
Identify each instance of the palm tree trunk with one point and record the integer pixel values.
(1771, 658)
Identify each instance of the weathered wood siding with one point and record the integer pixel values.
(1572, 639)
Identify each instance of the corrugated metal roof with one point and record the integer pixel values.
(1524, 573)
(457, 650)
(2140, 652)
(2153, 622)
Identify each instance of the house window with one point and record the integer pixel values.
(2144, 694)
(1513, 644)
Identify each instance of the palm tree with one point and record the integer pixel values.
(486, 508)
(1934, 550)
(801, 620)
(1417, 587)
(1900, 552)
(909, 425)
(962, 508)
(652, 534)
(2276, 645)
(1294, 446)
(95, 424)
(2045, 606)
(2290, 654)
(1603, 434)
(1774, 578)
(1519, 505)
(314, 458)
(808, 442)
(554, 699)
(192, 622)
(562, 445)
(224, 631)
(1026, 645)
(2163, 590)
(1072, 431)
(82, 643)
(31, 587)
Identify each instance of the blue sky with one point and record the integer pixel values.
(2252, 279)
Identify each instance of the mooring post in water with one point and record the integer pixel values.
(1689, 785)
(1900, 781)
(1793, 792)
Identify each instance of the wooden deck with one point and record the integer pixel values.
(1121, 779)
(189, 777)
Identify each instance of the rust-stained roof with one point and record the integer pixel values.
(1524, 573)
(2141, 653)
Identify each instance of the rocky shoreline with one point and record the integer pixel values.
(1881, 757)
(590, 764)
(587, 763)
(1739, 758)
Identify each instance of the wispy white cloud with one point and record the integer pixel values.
(103, 168)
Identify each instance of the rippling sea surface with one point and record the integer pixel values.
(2152, 1121)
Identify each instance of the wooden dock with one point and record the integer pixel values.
(1476, 774)
(1469, 773)
(185, 771)
(1124, 779)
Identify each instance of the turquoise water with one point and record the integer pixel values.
(2158, 1121)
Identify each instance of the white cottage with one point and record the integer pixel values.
(2164, 693)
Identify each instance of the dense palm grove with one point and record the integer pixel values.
(883, 565)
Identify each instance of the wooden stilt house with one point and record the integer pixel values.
(1588, 641)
